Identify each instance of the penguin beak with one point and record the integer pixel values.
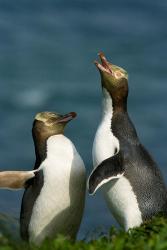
(104, 66)
(66, 118)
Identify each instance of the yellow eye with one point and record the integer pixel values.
(118, 74)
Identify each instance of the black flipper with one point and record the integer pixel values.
(111, 168)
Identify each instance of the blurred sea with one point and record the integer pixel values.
(47, 49)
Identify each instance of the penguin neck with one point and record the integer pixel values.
(40, 150)
(112, 106)
(40, 144)
(107, 107)
(115, 118)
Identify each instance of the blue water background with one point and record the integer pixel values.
(47, 49)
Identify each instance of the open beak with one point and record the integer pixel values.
(66, 118)
(104, 66)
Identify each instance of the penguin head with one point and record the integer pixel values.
(114, 79)
(47, 124)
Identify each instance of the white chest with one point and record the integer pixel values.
(105, 143)
(122, 202)
(61, 170)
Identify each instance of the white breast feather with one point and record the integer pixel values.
(118, 193)
(105, 143)
(61, 165)
(122, 202)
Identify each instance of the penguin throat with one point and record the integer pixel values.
(107, 105)
(112, 105)
(40, 150)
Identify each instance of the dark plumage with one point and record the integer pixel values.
(132, 163)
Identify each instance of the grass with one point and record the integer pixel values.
(151, 236)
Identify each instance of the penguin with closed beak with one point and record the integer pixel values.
(124, 170)
(53, 201)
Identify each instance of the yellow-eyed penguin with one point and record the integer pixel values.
(129, 178)
(53, 202)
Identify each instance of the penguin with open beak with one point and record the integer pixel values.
(53, 201)
(126, 173)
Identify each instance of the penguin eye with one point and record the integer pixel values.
(118, 74)
(51, 120)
